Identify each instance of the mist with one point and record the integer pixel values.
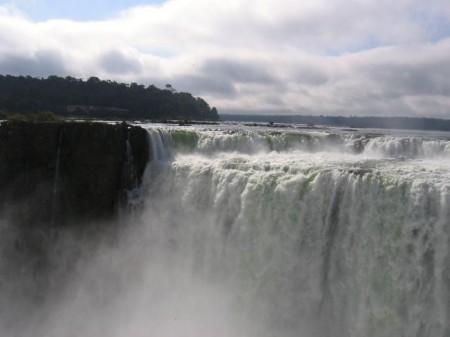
(142, 275)
(247, 233)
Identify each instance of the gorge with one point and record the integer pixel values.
(227, 230)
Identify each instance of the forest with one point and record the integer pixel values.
(96, 98)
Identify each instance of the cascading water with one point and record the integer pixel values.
(159, 142)
(307, 234)
(255, 232)
(56, 180)
(129, 183)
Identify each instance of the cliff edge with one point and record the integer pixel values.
(58, 173)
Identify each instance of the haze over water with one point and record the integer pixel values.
(241, 231)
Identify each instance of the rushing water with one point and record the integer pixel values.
(263, 232)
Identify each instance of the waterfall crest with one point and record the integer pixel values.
(251, 141)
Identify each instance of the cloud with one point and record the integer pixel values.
(315, 56)
(310, 74)
(40, 64)
(116, 62)
(236, 71)
(206, 84)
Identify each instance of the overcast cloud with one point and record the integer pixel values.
(360, 57)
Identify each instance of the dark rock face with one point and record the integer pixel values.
(66, 173)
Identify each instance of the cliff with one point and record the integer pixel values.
(66, 172)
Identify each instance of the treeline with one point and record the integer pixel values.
(350, 122)
(95, 98)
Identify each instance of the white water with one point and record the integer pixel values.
(259, 233)
(304, 236)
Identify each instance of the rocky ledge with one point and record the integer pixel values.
(58, 173)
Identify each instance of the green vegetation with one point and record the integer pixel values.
(17, 118)
(95, 98)
(46, 116)
(41, 116)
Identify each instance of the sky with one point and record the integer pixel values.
(315, 57)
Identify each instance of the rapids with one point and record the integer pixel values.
(240, 231)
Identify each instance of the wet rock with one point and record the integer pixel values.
(66, 172)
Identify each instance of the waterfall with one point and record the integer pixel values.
(129, 169)
(135, 193)
(256, 232)
(210, 142)
(56, 179)
(159, 144)
(306, 241)
(130, 197)
(322, 251)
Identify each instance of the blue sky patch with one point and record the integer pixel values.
(82, 10)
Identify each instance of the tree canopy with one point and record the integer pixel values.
(95, 98)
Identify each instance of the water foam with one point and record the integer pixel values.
(254, 233)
